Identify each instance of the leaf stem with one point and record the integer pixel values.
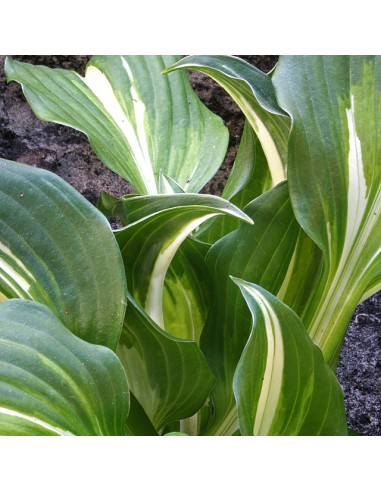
(190, 425)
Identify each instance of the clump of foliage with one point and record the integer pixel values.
(200, 315)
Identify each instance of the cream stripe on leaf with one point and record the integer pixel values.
(59, 250)
(334, 175)
(173, 368)
(157, 226)
(168, 376)
(252, 90)
(140, 122)
(261, 254)
(282, 384)
(249, 178)
(54, 383)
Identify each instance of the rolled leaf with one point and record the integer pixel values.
(168, 376)
(260, 253)
(254, 93)
(186, 294)
(57, 249)
(158, 225)
(249, 178)
(139, 122)
(54, 383)
(334, 175)
(282, 384)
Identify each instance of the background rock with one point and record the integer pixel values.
(67, 152)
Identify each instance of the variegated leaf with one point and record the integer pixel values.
(168, 376)
(59, 250)
(139, 122)
(157, 226)
(254, 93)
(54, 383)
(334, 175)
(261, 254)
(249, 178)
(282, 384)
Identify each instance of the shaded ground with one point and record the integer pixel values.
(66, 152)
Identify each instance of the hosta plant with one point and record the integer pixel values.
(198, 315)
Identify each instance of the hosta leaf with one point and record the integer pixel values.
(139, 122)
(138, 423)
(249, 178)
(186, 294)
(260, 253)
(302, 276)
(282, 384)
(168, 376)
(54, 383)
(254, 93)
(157, 227)
(372, 288)
(334, 175)
(57, 249)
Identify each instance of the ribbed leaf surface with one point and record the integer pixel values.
(139, 122)
(260, 253)
(254, 93)
(335, 179)
(169, 376)
(54, 383)
(187, 291)
(282, 384)
(158, 225)
(57, 249)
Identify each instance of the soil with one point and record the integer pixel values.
(66, 152)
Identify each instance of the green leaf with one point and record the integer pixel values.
(54, 383)
(254, 93)
(335, 179)
(372, 288)
(110, 206)
(282, 384)
(249, 178)
(186, 294)
(57, 249)
(138, 424)
(176, 434)
(302, 276)
(158, 225)
(168, 376)
(139, 123)
(261, 254)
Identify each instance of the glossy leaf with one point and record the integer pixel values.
(186, 294)
(138, 423)
(168, 376)
(260, 253)
(249, 178)
(54, 383)
(176, 434)
(57, 249)
(140, 123)
(157, 226)
(335, 179)
(254, 93)
(282, 384)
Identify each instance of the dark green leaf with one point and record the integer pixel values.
(54, 383)
(57, 249)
